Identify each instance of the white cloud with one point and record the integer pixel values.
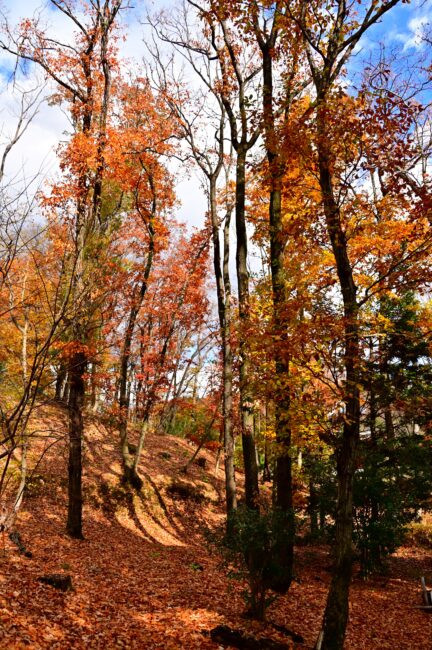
(418, 16)
(416, 27)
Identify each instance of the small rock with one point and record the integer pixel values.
(57, 580)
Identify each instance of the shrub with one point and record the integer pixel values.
(391, 485)
(248, 545)
(198, 421)
(420, 534)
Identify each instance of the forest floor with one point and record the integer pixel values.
(146, 577)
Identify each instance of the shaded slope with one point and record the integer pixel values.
(145, 575)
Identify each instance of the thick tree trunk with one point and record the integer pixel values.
(66, 389)
(267, 470)
(337, 607)
(266, 474)
(77, 369)
(389, 424)
(124, 395)
(140, 447)
(336, 613)
(89, 223)
(76, 386)
(284, 545)
(243, 137)
(229, 443)
(373, 406)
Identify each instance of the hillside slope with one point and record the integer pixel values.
(146, 577)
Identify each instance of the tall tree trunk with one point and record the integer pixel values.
(94, 61)
(246, 397)
(389, 424)
(77, 368)
(229, 442)
(373, 405)
(243, 137)
(336, 612)
(313, 509)
(284, 544)
(267, 474)
(66, 390)
(124, 395)
(88, 227)
(137, 481)
(129, 473)
(223, 289)
(335, 42)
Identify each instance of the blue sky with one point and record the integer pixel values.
(400, 27)
(402, 24)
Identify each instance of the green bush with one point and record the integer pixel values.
(248, 545)
(319, 472)
(392, 483)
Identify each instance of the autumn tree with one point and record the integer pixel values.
(282, 85)
(328, 49)
(32, 309)
(174, 303)
(234, 87)
(195, 115)
(83, 73)
(136, 171)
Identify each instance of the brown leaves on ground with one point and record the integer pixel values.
(145, 576)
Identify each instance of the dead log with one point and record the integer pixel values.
(226, 636)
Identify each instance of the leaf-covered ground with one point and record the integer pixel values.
(146, 576)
